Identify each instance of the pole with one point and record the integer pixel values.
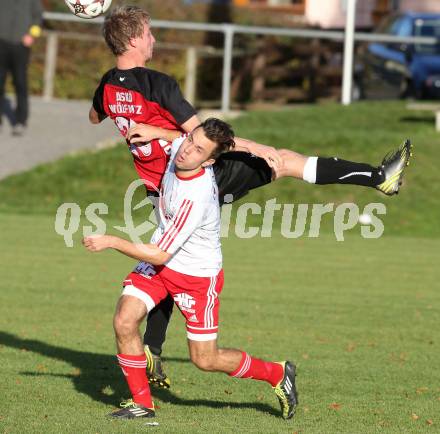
(50, 65)
(191, 75)
(227, 66)
(347, 77)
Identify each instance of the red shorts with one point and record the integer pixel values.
(196, 297)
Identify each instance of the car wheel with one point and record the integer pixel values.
(405, 88)
(356, 91)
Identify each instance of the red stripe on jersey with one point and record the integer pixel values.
(179, 228)
(179, 221)
(174, 227)
(176, 219)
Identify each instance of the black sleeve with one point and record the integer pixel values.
(37, 13)
(176, 104)
(98, 98)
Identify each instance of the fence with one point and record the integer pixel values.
(193, 52)
(228, 30)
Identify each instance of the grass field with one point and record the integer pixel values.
(359, 318)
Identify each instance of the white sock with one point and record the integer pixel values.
(309, 174)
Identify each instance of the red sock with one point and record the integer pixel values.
(134, 369)
(258, 369)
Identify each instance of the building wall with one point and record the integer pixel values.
(331, 13)
(420, 5)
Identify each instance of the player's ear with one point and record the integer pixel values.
(209, 162)
(132, 43)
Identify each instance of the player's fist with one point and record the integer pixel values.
(97, 243)
(142, 133)
(269, 154)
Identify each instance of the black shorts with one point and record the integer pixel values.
(237, 173)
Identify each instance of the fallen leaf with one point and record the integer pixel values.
(414, 416)
(335, 406)
(351, 347)
(41, 368)
(421, 390)
(429, 422)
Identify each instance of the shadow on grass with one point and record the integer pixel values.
(99, 377)
(418, 119)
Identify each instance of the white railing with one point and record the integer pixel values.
(229, 30)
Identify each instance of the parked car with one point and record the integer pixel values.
(386, 70)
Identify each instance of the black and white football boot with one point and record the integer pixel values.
(286, 391)
(131, 410)
(393, 166)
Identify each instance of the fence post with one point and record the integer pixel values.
(347, 77)
(191, 74)
(227, 66)
(50, 64)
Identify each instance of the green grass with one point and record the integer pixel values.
(363, 132)
(359, 318)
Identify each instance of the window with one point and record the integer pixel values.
(430, 28)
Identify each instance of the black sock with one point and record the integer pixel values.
(336, 171)
(157, 323)
(155, 351)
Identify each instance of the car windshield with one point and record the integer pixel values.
(428, 28)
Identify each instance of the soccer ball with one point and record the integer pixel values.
(88, 8)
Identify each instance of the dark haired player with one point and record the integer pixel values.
(184, 260)
(131, 94)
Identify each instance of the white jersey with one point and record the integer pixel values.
(189, 220)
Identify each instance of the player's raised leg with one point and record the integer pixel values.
(130, 312)
(387, 177)
(200, 304)
(236, 363)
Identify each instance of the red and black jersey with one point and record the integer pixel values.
(150, 97)
(141, 95)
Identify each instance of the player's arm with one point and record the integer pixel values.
(95, 117)
(268, 153)
(141, 133)
(143, 252)
(97, 112)
(187, 117)
(186, 220)
(190, 124)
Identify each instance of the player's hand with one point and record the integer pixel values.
(141, 133)
(97, 243)
(269, 154)
(27, 40)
